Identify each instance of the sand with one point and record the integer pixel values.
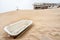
(46, 24)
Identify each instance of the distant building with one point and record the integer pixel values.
(46, 5)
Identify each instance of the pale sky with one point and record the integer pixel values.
(9, 5)
(51, 1)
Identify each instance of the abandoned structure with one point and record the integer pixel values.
(46, 5)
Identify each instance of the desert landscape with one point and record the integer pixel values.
(46, 24)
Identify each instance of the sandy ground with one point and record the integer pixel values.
(46, 24)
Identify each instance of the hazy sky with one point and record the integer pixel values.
(7, 5)
(54, 1)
